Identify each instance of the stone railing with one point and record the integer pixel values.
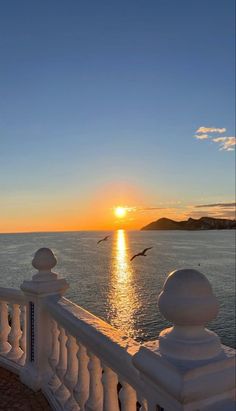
(12, 328)
(82, 363)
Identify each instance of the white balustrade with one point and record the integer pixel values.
(82, 363)
(144, 405)
(81, 389)
(110, 384)
(54, 381)
(71, 375)
(15, 333)
(23, 334)
(12, 329)
(62, 393)
(4, 328)
(95, 400)
(128, 397)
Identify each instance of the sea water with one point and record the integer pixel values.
(124, 293)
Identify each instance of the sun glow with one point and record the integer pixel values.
(120, 212)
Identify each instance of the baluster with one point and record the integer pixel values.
(110, 381)
(128, 397)
(151, 406)
(81, 390)
(15, 334)
(53, 358)
(70, 378)
(23, 335)
(4, 328)
(62, 393)
(95, 400)
(144, 405)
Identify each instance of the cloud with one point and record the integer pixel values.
(140, 209)
(206, 130)
(226, 143)
(216, 205)
(147, 209)
(154, 208)
(218, 212)
(201, 137)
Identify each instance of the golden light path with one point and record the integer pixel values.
(123, 300)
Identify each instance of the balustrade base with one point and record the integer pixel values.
(50, 396)
(30, 377)
(51, 399)
(12, 366)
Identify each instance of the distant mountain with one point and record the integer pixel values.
(204, 223)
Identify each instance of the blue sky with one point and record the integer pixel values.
(101, 92)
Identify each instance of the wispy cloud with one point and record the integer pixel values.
(140, 209)
(217, 212)
(206, 130)
(144, 209)
(153, 208)
(226, 143)
(201, 136)
(224, 205)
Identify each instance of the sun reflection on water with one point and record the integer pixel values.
(123, 299)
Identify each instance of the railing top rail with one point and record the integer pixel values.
(12, 295)
(108, 344)
(88, 328)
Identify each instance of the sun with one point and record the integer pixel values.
(120, 212)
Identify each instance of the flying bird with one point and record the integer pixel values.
(142, 253)
(103, 239)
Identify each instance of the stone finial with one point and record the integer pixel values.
(44, 282)
(187, 362)
(188, 301)
(44, 260)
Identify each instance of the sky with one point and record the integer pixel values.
(115, 103)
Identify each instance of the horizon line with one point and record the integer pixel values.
(67, 231)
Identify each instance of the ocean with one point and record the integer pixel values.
(104, 281)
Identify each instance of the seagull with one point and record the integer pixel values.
(103, 239)
(142, 253)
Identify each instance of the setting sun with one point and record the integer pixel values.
(120, 212)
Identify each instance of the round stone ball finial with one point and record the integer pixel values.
(44, 260)
(187, 300)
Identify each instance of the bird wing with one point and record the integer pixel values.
(146, 249)
(135, 255)
(103, 239)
